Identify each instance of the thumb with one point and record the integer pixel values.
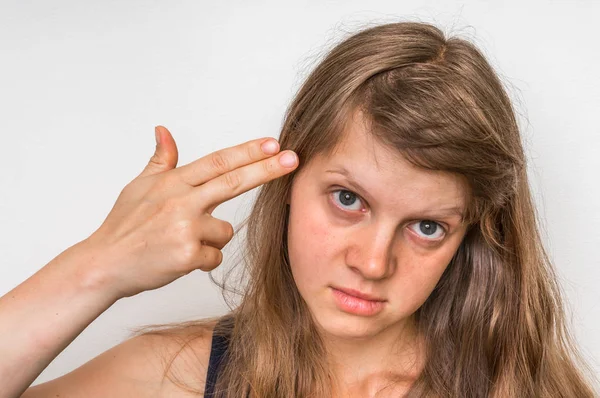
(165, 155)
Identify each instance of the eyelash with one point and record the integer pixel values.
(332, 193)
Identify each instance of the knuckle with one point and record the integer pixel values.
(213, 257)
(269, 167)
(250, 152)
(189, 251)
(233, 180)
(219, 162)
(209, 259)
(185, 231)
(228, 231)
(156, 159)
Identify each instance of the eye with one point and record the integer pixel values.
(426, 229)
(429, 230)
(345, 199)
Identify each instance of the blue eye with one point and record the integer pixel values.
(429, 229)
(345, 198)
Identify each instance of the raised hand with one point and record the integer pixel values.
(161, 226)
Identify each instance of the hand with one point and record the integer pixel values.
(161, 226)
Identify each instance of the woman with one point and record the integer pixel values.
(400, 258)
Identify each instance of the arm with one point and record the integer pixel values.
(152, 236)
(40, 317)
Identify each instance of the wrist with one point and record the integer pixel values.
(85, 266)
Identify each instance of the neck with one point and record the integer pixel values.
(364, 366)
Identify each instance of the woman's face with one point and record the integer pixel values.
(391, 239)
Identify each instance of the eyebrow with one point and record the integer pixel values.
(446, 211)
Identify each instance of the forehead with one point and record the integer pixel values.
(385, 173)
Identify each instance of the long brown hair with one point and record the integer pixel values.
(494, 326)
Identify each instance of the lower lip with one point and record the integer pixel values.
(355, 305)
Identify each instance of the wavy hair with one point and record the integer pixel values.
(494, 325)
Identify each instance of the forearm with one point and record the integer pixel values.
(40, 317)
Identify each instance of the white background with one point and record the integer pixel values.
(83, 83)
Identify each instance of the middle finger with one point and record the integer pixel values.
(243, 179)
(224, 160)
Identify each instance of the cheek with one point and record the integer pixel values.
(311, 244)
(419, 277)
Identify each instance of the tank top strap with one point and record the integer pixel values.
(218, 353)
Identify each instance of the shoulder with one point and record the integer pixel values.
(179, 360)
(145, 365)
(182, 360)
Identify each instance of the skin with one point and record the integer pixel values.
(155, 233)
(372, 241)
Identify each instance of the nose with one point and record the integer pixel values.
(371, 254)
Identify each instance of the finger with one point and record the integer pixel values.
(223, 161)
(209, 258)
(238, 181)
(214, 232)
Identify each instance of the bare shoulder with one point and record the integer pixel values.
(150, 365)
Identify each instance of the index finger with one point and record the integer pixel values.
(238, 181)
(225, 160)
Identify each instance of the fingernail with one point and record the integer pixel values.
(269, 147)
(288, 159)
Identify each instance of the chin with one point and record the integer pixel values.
(347, 326)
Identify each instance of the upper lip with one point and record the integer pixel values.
(356, 293)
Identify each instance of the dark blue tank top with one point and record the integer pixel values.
(218, 352)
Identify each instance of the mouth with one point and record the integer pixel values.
(358, 294)
(355, 305)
